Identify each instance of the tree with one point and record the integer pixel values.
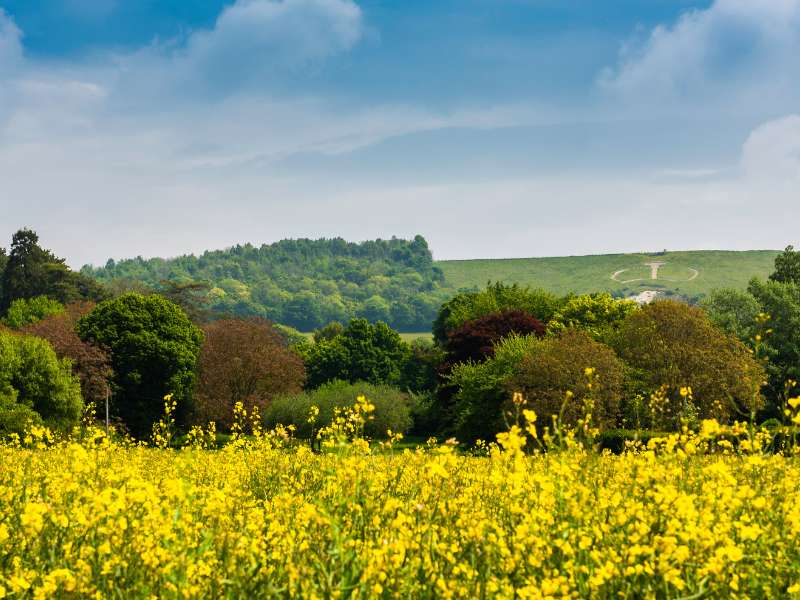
(495, 298)
(329, 332)
(247, 361)
(558, 365)
(596, 314)
(475, 339)
(781, 301)
(676, 346)
(154, 350)
(32, 271)
(787, 267)
(192, 297)
(24, 312)
(34, 380)
(374, 353)
(90, 364)
(734, 312)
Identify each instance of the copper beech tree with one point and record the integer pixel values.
(243, 360)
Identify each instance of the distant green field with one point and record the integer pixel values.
(409, 337)
(691, 273)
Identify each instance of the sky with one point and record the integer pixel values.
(495, 128)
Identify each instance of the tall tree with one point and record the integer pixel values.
(32, 271)
(787, 266)
(154, 350)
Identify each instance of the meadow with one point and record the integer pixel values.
(586, 274)
(265, 517)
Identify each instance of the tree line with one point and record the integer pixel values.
(593, 360)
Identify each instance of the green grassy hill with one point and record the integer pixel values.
(690, 273)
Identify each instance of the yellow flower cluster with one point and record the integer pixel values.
(265, 517)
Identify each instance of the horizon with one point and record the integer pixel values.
(518, 129)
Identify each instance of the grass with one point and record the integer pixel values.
(584, 274)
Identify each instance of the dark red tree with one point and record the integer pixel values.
(475, 339)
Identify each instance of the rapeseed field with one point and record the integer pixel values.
(689, 516)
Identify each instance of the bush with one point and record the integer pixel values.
(392, 408)
(674, 345)
(596, 314)
(243, 360)
(33, 379)
(24, 312)
(475, 339)
(482, 391)
(154, 350)
(557, 365)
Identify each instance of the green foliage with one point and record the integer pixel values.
(597, 314)
(34, 380)
(304, 283)
(497, 297)
(674, 345)
(482, 389)
(734, 312)
(374, 353)
(781, 301)
(787, 267)
(154, 350)
(32, 271)
(557, 366)
(392, 408)
(24, 312)
(329, 332)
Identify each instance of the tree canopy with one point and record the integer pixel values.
(301, 283)
(154, 350)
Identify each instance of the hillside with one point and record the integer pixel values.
(689, 273)
(303, 283)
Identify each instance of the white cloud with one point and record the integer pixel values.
(772, 151)
(737, 53)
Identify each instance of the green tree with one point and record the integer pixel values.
(32, 271)
(734, 312)
(374, 353)
(154, 350)
(34, 380)
(787, 267)
(24, 312)
(597, 314)
(781, 301)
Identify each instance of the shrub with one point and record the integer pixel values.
(481, 391)
(154, 350)
(374, 353)
(495, 298)
(243, 360)
(90, 364)
(675, 345)
(24, 312)
(475, 339)
(392, 408)
(33, 379)
(557, 365)
(597, 314)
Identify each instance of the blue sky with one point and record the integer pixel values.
(493, 127)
